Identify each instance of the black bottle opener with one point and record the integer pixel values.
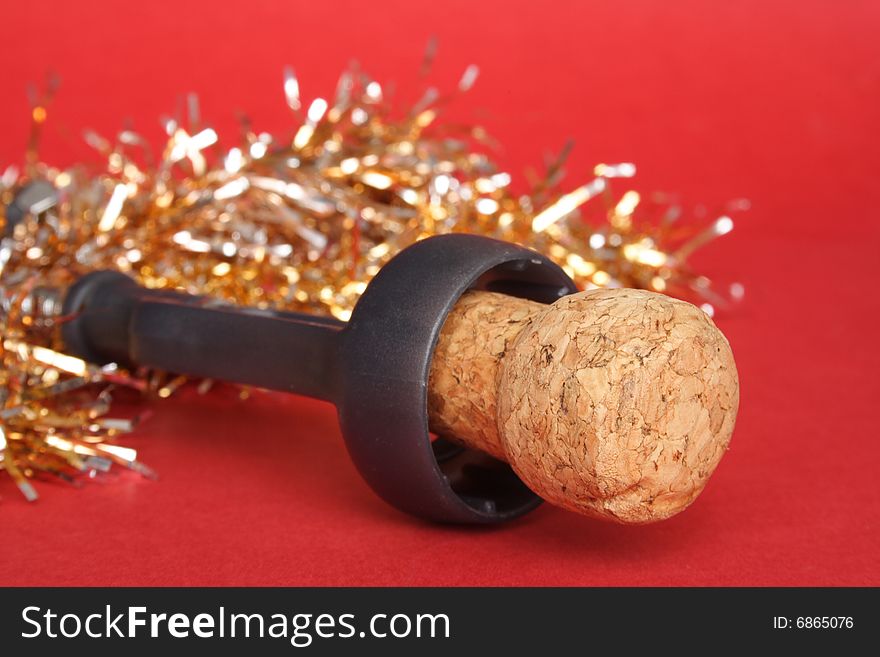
(374, 368)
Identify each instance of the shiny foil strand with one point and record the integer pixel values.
(297, 223)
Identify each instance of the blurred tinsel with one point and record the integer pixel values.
(296, 223)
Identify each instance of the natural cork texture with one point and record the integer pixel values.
(614, 403)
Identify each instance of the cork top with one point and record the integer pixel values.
(614, 403)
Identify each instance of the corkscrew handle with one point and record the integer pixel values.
(116, 320)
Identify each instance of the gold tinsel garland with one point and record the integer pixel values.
(300, 223)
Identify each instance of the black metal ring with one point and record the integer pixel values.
(386, 356)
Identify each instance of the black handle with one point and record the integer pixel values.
(115, 320)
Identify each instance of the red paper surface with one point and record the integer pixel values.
(778, 102)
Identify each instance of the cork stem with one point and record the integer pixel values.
(463, 386)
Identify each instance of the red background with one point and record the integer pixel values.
(778, 102)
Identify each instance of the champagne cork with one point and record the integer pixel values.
(614, 403)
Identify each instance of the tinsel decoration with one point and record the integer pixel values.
(299, 222)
